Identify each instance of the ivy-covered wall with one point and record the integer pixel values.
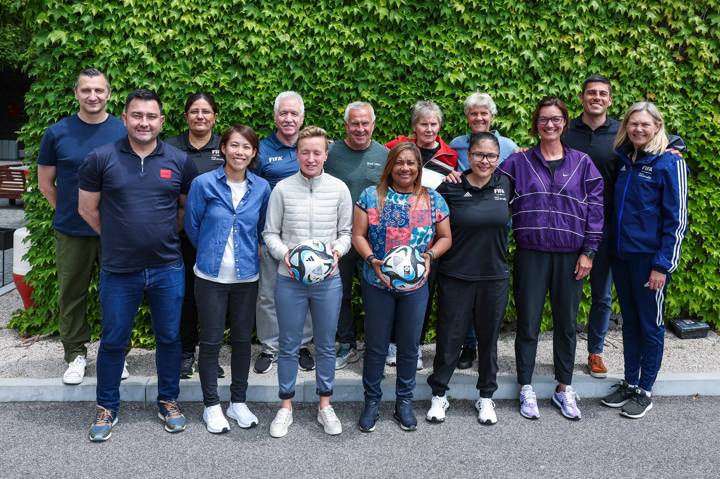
(391, 53)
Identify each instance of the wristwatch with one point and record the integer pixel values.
(589, 253)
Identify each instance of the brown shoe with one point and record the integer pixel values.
(596, 366)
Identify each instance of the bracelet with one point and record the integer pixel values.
(431, 254)
(369, 259)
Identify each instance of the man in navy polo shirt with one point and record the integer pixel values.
(132, 193)
(62, 150)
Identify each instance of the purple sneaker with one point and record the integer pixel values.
(528, 403)
(566, 401)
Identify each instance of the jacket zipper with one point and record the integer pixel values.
(622, 209)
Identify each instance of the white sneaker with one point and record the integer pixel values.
(279, 426)
(329, 421)
(438, 406)
(215, 420)
(486, 411)
(391, 358)
(125, 374)
(420, 366)
(242, 415)
(75, 371)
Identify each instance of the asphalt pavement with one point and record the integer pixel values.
(678, 438)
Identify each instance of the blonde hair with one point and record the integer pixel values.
(312, 132)
(658, 143)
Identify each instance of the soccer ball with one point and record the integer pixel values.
(404, 267)
(311, 261)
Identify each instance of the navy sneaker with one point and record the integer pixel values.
(170, 414)
(404, 415)
(101, 428)
(369, 416)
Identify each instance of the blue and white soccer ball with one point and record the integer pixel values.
(404, 267)
(311, 261)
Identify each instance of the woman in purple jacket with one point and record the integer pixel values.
(557, 219)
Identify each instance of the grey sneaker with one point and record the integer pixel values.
(638, 405)
(620, 396)
(566, 401)
(101, 428)
(346, 354)
(171, 416)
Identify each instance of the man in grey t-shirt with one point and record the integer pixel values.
(358, 160)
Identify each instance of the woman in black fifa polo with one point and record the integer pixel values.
(473, 275)
(202, 146)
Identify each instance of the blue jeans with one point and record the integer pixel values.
(601, 291)
(385, 310)
(120, 297)
(292, 300)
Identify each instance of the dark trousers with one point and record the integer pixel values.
(643, 323)
(76, 257)
(601, 290)
(462, 304)
(385, 310)
(189, 316)
(348, 265)
(432, 286)
(216, 302)
(534, 273)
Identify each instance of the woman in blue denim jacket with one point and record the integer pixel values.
(224, 216)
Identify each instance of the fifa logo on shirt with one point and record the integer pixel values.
(647, 169)
(499, 191)
(273, 159)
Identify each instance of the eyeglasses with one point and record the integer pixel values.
(489, 157)
(196, 112)
(555, 120)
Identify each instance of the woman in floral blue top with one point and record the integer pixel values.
(398, 211)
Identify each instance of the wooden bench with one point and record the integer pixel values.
(12, 183)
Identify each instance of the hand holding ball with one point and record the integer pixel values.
(404, 267)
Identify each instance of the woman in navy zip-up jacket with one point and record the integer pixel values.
(224, 214)
(557, 219)
(648, 225)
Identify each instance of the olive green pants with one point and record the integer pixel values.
(75, 257)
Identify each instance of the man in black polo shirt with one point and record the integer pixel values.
(132, 193)
(593, 132)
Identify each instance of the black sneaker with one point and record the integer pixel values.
(369, 416)
(638, 405)
(221, 372)
(306, 361)
(467, 356)
(264, 362)
(186, 366)
(404, 415)
(619, 396)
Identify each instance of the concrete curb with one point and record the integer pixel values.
(264, 388)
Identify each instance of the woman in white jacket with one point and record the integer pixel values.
(308, 205)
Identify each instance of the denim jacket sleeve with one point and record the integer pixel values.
(194, 211)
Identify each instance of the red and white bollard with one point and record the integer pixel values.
(21, 267)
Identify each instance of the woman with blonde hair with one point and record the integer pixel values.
(398, 211)
(649, 223)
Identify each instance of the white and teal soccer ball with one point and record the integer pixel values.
(311, 261)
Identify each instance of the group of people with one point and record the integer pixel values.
(201, 226)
